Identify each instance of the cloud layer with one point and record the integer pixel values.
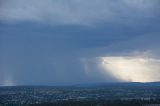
(81, 12)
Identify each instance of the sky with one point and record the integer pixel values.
(59, 42)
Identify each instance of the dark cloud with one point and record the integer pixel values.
(78, 12)
(43, 49)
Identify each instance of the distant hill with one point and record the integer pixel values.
(118, 84)
(107, 84)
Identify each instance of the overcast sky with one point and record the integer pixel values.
(56, 42)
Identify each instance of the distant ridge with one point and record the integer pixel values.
(118, 84)
(103, 84)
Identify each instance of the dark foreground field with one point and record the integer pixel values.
(112, 94)
(103, 103)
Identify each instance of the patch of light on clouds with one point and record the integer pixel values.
(132, 68)
(8, 81)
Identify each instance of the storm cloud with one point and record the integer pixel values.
(83, 12)
(64, 42)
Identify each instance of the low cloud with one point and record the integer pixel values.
(132, 68)
(138, 67)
